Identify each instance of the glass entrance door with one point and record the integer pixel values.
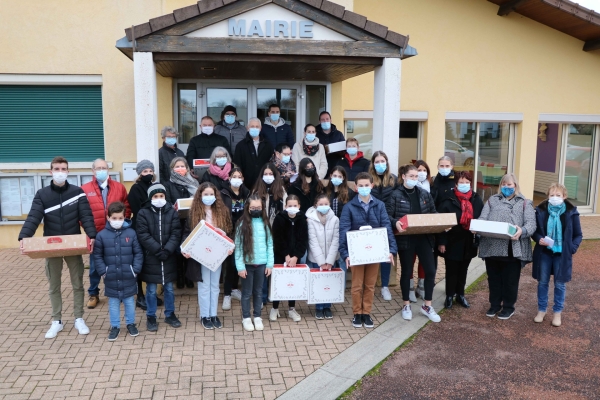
(578, 168)
(286, 97)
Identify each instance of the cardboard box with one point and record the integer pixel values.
(56, 246)
(417, 224)
(207, 245)
(289, 283)
(495, 229)
(200, 166)
(326, 286)
(182, 206)
(335, 147)
(368, 246)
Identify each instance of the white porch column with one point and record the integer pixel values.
(146, 108)
(386, 110)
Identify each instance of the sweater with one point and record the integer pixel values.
(319, 159)
(323, 240)
(263, 246)
(234, 133)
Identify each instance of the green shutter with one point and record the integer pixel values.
(38, 123)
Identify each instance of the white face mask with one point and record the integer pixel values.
(268, 179)
(59, 177)
(555, 200)
(159, 203)
(422, 176)
(236, 182)
(116, 224)
(292, 210)
(207, 130)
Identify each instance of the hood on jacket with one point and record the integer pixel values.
(126, 224)
(224, 125)
(313, 214)
(544, 205)
(280, 122)
(359, 155)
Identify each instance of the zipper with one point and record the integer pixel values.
(62, 220)
(162, 266)
(134, 275)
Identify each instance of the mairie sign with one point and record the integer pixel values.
(270, 28)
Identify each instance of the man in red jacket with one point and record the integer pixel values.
(102, 191)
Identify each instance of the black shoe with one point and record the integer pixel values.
(505, 314)
(462, 301)
(180, 283)
(216, 322)
(159, 301)
(492, 312)
(141, 302)
(189, 284)
(327, 313)
(207, 323)
(173, 321)
(357, 321)
(448, 302)
(151, 324)
(133, 330)
(366, 319)
(319, 314)
(113, 334)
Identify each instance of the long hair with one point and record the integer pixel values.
(510, 177)
(302, 176)
(343, 196)
(221, 216)
(403, 170)
(277, 189)
(385, 179)
(419, 163)
(244, 227)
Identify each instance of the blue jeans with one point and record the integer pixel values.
(385, 270)
(94, 290)
(321, 306)
(550, 264)
(114, 311)
(208, 292)
(251, 289)
(151, 299)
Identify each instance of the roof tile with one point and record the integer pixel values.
(209, 5)
(355, 19)
(225, 2)
(140, 30)
(188, 12)
(376, 29)
(161, 22)
(396, 38)
(314, 3)
(334, 9)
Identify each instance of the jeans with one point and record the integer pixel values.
(114, 311)
(424, 251)
(503, 280)
(321, 306)
(550, 264)
(456, 277)
(385, 271)
(208, 292)
(251, 288)
(341, 264)
(54, 268)
(94, 290)
(151, 299)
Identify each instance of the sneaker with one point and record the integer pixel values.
(505, 314)
(319, 314)
(173, 321)
(93, 301)
(430, 313)
(539, 317)
(236, 294)
(207, 323)
(258, 325)
(357, 321)
(81, 326)
(492, 312)
(274, 314)
(262, 305)
(412, 296)
(294, 315)
(366, 318)
(327, 313)
(133, 330)
(216, 322)
(151, 324)
(113, 334)
(407, 312)
(247, 324)
(56, 327)
(385, 293)
(556, 319)
(226, 303)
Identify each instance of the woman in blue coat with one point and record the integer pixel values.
(558, 236)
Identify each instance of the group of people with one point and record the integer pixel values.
(290, 204)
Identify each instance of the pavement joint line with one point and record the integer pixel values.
(341, 372)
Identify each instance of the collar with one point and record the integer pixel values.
(361, 201)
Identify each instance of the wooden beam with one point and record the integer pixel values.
(509, 7)
(266, 58)
(591, 45)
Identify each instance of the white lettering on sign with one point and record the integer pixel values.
(270, 28)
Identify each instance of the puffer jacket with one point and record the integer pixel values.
(517, 211)
(319, 160)
(166, 154)
(263, 246)
(138, 199)
(323, 240)
(118, 257)
(116, 192)
(234, 135)
(290, 236)
(176, 191)
(159, 229)
(383, 193)
(64, 209)
(278, 133)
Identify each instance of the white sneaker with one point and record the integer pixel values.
(385, 293)
(258, 325)
(274, 314)
(262, 305)
(81, 326)
(430, 313)
(421, 288)
(247, 324)
(54, 329)
(407, 312)
(226, 303)
(412, 296)
(294, 315)
(236, 294)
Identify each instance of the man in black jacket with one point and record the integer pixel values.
(202, 145)
(168, 152)
(275, 129)
(328, 133)
(63, 207)
(252, 153)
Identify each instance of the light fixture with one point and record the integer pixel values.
(208, 68)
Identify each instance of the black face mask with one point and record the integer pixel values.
(147, 178)
(256, 213)
(310, 172)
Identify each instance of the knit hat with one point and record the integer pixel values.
(142, 165)
(156, 188)
(229, 108)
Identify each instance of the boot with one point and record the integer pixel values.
(448, 302)
(556, 320)
(180, 277)
(539, 317)
(460, 299)
(141, 302)
(189, 283)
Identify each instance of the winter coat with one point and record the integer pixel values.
(572, 236)
(166, 154)
(116, 192)
(354, 167)
(459, 241)
(234, 134)
(159, 229)
(517, 211)
(64, 210)
(235, 203)
(354, 216)
(334, 136)
(263, 246)
(383, 193)
(340, 207)
(306, 200)
(118, 257)
(138, 199)
(176, 191)
(319, 160)
(398, 205)
(290, 236)
(251, 162)
(278, 133)
(323, 240)
(201, 146)
(215, 180)
(442, 187)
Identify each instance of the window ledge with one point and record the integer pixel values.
(3, 223)
(46, 165)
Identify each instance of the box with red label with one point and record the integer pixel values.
(208, 245)
(417, 224)
(326, 286)
(368, 246)
(182, 206)
(200, 166)
(56, 246)
(289, 283)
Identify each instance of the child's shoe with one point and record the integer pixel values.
(236, 294)
(173, 321)
(56, 327)
(247, 324)
(133, 330)
(294, 315)
(258, 325)
(226, 303)
(412, 296)
(113, 334)
(216, 322)
(327, 313)
(274, 314)
(207, 323)
(151, 324)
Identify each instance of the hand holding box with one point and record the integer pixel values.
(368, 246)
(495, 229)
(418, 224)
(289, 283)
(56, 246)
(326, 286)
(207, 245)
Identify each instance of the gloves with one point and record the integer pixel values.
(162, 255)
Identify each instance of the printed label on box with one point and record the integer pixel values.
(368, 246)
(326, 286)
(56, 246)
(289, 283)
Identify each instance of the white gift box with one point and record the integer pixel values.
(368, 246)
(495, 229)
(326, 286)
(207, 245)
(289, 283)
(335, 147)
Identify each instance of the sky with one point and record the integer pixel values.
(591, 4)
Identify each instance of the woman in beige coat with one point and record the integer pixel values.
(309, 147)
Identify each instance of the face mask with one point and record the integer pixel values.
(380, 168)
(323, 209)
(352, 150)
(463, 187)
(256, 213)
(181, 171)
(507, 191)
(171, 141)
(254, 132)
(159, 203)
(221, 161)
(285, 159)
(147, 178)
(229, 119)
(207, 130)
(59, 177)
(364, 191)
(444, 171)
(236, 182)
(410, 183)
(310, 137)
(208, 200)
(268, 179)
(556, 201)
(422, 176)
(102, 175)
(116, 224)
(337, 181)
(292, 210)
(310, 172)
(274, 117)
(326, 125)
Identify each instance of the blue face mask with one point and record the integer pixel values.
(310, 137)
(254, 132)
(463, 187)
(285, 159)
(352, 150)
(208, 200)
(102, 175)
(221, 161)
(274, 117)
(444, 171)
(380, 168)
(507, 191)
(323, 209)
(364, 191)
(171, 141)
(336, 181)
(411, 183)
(229, 119)
(326, 125)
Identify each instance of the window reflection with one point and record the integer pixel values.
(578, 163)
(187, 111)
(361, 130)
(218, 98)
(285, 98)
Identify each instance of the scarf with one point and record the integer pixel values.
(190, 183)
(310, 150)
(466, 207)
(222, 173)
(282, 167)
(554, 229)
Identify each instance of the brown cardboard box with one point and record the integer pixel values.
(416, 224)
(56, 246)
(182, 206)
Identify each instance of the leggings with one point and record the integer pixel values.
(422, 248)
(421, 272)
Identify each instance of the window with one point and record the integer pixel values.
(186, 98)
(361, 130)
(316, 102)
(285, 98)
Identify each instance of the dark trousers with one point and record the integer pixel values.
(456, 277)
(291, 304)
(423, 250)
(503, 279)
(252, 288)
(232, 278)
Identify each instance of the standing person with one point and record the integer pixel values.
(253, 258)
(458, 246)
(364, 210)
(328, 133)
(119, 257)
(410, 199)
(64, 209)
(252, 153)
(354, 162)
(208, 206)
(202, 145)
(504, 258)
(307, 186)
(339, 195)
(100, 192)
(220, 166)
(558, 219)
(275, 130)
(159, 233)
(384, 183)
(230, 128)
(290, 241)
(309, 147)
(168, 152)
(282, 159)
(444, 181)
(323, 243)
(424, 183)
(270, 189)
(424, 175)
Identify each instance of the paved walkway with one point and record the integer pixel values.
(590, 224)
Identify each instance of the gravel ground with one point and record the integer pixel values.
(471, 356)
